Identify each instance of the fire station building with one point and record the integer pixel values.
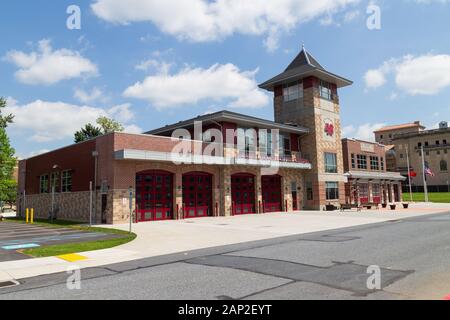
(292, 163)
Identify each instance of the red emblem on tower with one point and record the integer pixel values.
(329, 129)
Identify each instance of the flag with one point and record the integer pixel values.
(413, 174)
(428, 171)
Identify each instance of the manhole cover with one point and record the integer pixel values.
(7, 284)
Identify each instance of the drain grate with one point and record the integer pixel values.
(7, 284)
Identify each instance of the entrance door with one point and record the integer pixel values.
(154, 195)
(271, 191)
(197, 195)
(243, 193)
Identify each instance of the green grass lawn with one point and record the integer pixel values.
(61, 249)
(437, 197)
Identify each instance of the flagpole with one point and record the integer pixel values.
(425, 187)
(409, 174)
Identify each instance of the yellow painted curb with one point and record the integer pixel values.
(72, 257)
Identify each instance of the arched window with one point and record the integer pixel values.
(444, 165)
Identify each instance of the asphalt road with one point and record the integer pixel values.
(413, 256)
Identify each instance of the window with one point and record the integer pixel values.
(309, 191)
(381, 136)
(382, 164)
(444, 142)
(401, 155)
(437, 142)
(419, 144)
(325, 90)
(293, 91)
(66, 181)
(43, 184)
(444, 166)
(330, 163)
(332, 190)
(353, 161)
(285, 145)
(374, 163)
(376, 190)
(362, 162)
(426, 143)
(54, 181)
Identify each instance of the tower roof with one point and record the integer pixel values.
(302, 66)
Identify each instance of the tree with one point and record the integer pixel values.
(8, 186)
(105, 126)
(4, 120)
(109, 125)
(88, 132)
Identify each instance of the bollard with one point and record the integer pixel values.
(27, 215)
(32, 216)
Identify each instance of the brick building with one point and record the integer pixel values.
(218, 164)
(368, 179)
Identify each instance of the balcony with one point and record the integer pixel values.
(155, 148)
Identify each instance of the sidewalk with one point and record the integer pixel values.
(167, 237)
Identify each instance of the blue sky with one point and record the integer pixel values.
(149, 64)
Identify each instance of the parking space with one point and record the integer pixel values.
(17, 236)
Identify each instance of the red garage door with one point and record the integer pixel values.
(271, 190)
(243, 193)
(154, 195)
(197, 195)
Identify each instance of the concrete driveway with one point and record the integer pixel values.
(167, 237)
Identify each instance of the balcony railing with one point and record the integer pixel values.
(295, 157)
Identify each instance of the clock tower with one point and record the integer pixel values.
(306, 94)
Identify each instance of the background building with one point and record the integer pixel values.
(436, 145)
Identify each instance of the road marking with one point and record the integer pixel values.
(72, 257)
(21, 246)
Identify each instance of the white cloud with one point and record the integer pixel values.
(362, 132)
(374, 78)
(95, 94)
(202, 20)
(44, 121)
(47, 66)
(416, 75)
(218, 83)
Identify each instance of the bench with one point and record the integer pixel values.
(349, 206)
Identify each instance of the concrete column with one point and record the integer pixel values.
(258, 193)
(370, 192)
(226, 193)
(178, 192)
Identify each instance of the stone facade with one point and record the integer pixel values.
(70, 206)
